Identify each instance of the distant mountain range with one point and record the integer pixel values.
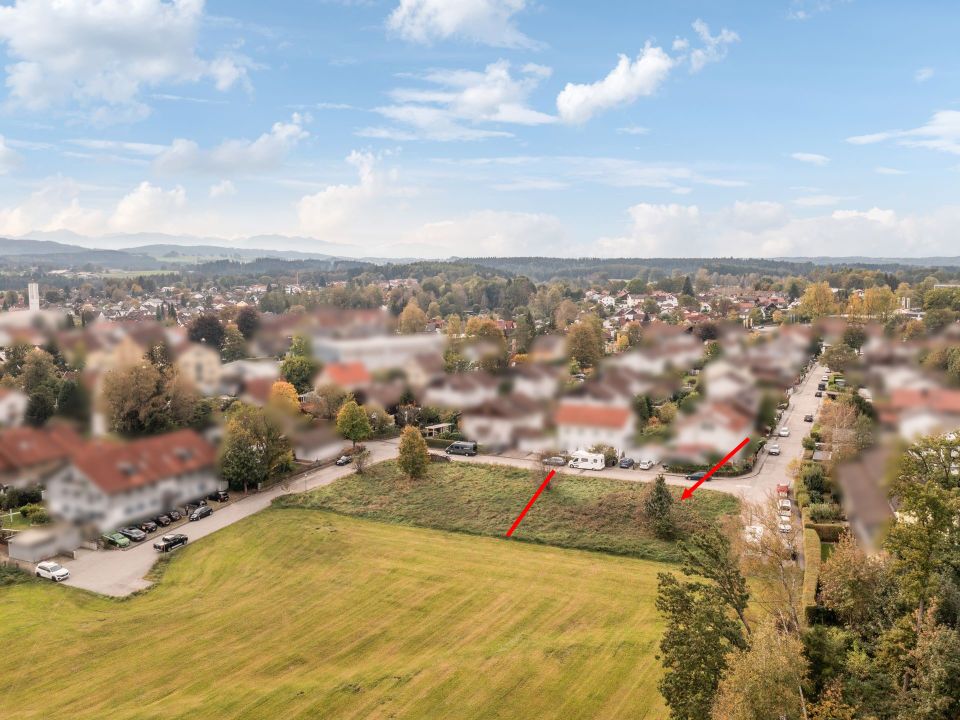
(863, 260)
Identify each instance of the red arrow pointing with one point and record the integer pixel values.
(688, 492)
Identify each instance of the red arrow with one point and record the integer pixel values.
(532, 501)
(688, 492)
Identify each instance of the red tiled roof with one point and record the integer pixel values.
(944, 401)
(592, 415)
(26, 447)
(346, 374)
(119, 467)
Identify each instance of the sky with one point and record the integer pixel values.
(436, 128)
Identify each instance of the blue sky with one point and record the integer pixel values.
(472, 127)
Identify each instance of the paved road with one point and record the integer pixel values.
(122, 573)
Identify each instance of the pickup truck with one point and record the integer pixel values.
(169, 542)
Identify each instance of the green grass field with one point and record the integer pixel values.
(305, 614)
(589, 513)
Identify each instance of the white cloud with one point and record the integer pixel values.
(633, 130)
(8, 158)
(806, 9)
(489, 232)
(941, 132)
(768, 229)
(811, 158)
(150, 208)
(819, 200)
(457, 101)
(627, 82)
(224, 188)
(101, 53)
(714, 46)
(923, 74)
(531, 184)
(53, 205)
(340, 207)
(881, 170)
(235, 156)
(133, 148)
(487, 22)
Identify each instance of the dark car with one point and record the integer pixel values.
(821, 387)
(174, 515)
(818, 393)
(201, 512)
(344, 460)
(627, 463)
(162, 520)
(808, 418)
(132, 533)
(148, 527)
(694, 477)
(219, 496)
(169, 542)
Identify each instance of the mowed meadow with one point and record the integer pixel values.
(297, 613)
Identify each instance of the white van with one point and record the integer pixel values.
(581, 460)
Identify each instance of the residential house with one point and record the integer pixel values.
(713, 430)
(352, 376)
(13, 407)
(200, 364)
(581, 425)
(107, 485)
(460, 391)
(497, 422)
(28, 455)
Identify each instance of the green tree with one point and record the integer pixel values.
(854, 336)
(300, 371)
(353, 423)
(248, 322)
(818, 301)
(234, 345)
(585, 342)
(254, 449)
(73, 401)
(207, 329)
(658, 509)
(839, 358)
(708, 554)
(698, 636)
(414, 457)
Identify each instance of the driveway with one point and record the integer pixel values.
(116, 573)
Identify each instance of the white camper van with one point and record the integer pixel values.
(581, 460)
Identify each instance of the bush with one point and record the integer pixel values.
(35, 514)
(803, 498)
(825, 512)
(827, 532)
(811, 574)
(15, 497)
(808, 443)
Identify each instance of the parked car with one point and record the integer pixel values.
(627, 463)
(219, 496)
(784, 432)
(201, 512)
(162, 520)
(344, 460)
(170, 542)
(773, 449)
(132, 533)
(785, 527)
(148, 526)
(784, 504)
(115, 539)
(51, 571)
(554, 461)
(808, 418)
(174, 515)
(461, 447)
(694, 477)
(645, 464)
(821, 387)
(818, 393)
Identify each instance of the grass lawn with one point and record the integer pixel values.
(13, 522)
(303, 614)
(589, 513)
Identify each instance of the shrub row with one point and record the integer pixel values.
(811, 574)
